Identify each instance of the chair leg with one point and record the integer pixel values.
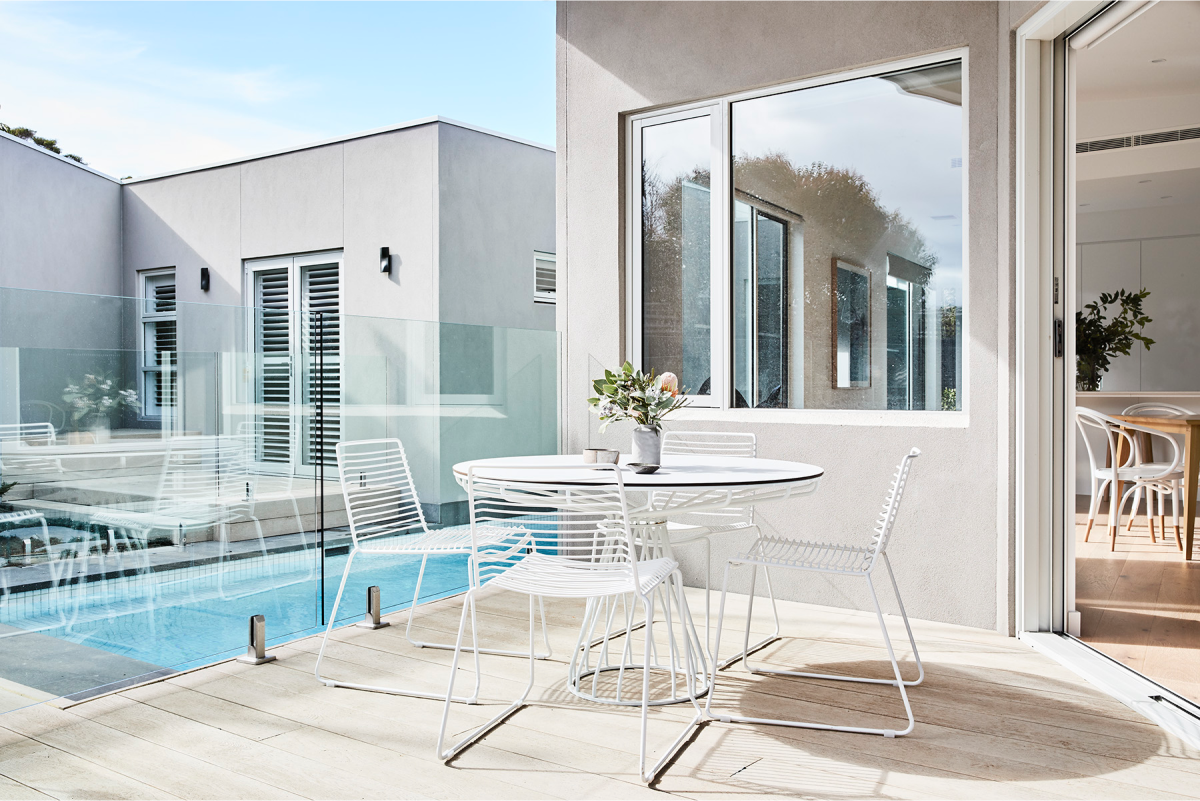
(412, 611)
(1137, 501)
(897, 682)
(1094, 505)
(1176, 505)
(446, 754)
(747, 648)
(471, 699)
(689, 634)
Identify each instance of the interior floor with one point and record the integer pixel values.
(1139, 604)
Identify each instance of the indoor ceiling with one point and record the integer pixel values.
(1179, 187)
(1154, 59)
(1157, 53)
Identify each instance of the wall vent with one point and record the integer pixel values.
(1157, 138)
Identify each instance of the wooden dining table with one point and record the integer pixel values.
(1189, 427)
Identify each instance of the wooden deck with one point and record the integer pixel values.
(994, 720)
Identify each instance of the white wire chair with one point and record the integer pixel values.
(845, 560)
(709, 524)
(1155, 409)
(386, 519)
(567, 539)
(1161, 477)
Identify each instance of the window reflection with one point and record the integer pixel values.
(863, 175)
(676, 261)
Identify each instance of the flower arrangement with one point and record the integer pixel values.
(95, 397)
(634, 395)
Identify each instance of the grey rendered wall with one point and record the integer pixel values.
(953, 545)
(60, 224)
(496, 206)
(357, 196)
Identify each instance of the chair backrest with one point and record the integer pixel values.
(711, 443)
(1100, 434)
(891, 506)
(377, 485)
(33, 434)
(206, 476)
(1157, 409)
(571, 526)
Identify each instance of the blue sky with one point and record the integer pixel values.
(137, 88)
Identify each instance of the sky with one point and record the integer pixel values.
(139, 88)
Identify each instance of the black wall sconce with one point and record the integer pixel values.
(203, 279)
(385, 260)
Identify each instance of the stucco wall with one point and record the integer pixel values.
(952, 548)
(61, 226)
(496, 207)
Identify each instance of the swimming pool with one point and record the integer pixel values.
(197, 614)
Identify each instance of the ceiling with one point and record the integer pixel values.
(1122, 65)
(1120, 89)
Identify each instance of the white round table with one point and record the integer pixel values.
(683, 485)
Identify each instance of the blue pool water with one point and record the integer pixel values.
(197, 615)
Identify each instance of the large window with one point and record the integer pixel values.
(803, 247)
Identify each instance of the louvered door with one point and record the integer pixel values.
(273, 344)
(322, 390)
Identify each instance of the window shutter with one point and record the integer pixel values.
(275, 376)
(322, 330)
(165, 341)
(545, 279)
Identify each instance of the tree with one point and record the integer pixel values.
(30, 135)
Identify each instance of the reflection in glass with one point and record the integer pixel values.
(760, 307)
(852, 310)
(676, 262)
(864, 175)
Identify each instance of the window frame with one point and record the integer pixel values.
(146, 318)
(720, 111)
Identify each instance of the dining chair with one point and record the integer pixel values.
(1103, 434)
(1153, 409)
(568, 539)
(386, 520)
(845, 560)
(706, 525)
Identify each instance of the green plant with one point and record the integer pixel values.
(1097, 342)
(949, 399)
(634, 395)
(96, 396)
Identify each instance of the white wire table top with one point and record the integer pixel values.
(677, 473)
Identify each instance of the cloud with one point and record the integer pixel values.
(100, 94)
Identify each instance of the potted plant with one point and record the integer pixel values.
(93, 400)
(1098, 342)
(634, 395)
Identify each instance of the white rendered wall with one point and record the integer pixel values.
(953, 546)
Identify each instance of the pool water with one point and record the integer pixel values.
(196, 615)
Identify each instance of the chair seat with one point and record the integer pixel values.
(560, 577)
(1151, 471)
(680, 533)
(807, 555)
(456, 540)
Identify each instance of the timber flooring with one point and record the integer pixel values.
(1140, 604)
(994, 720)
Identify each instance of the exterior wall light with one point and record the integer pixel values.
(385, 261)
(203, 279)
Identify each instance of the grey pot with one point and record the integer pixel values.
(647, 445)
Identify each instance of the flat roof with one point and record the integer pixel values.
(331, 141)
(336, 139)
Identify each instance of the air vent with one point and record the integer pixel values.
(1157, 138)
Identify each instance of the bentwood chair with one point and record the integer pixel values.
(569, 539)
(1155, 409)
(1103, 434)
(703, 526)
(386, 519)
(859, 561)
